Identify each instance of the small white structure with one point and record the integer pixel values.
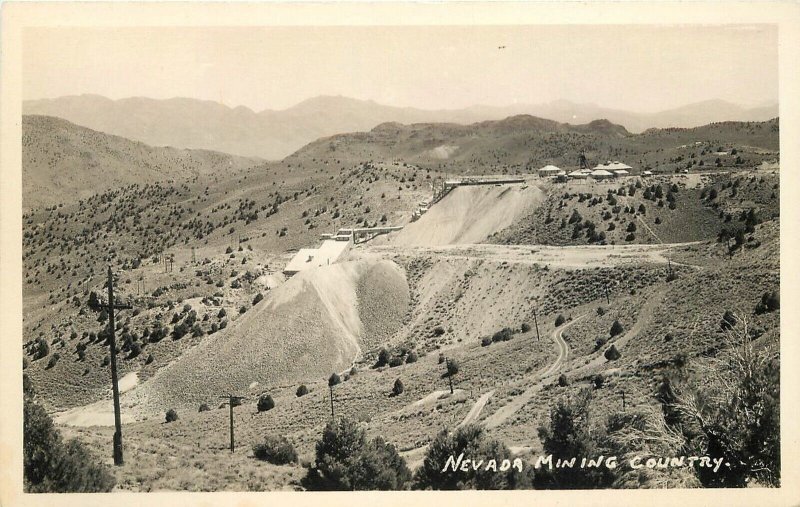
(307, 258)
(580, 174)
(551, 170)
(601, 174)
(615, 165)
(647, 173)
(619, 173)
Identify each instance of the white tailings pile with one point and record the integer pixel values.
(303, 331)
(470, 214)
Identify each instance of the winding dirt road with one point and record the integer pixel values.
(506, 411)
(414, 457)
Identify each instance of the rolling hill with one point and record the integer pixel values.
(519, 144)
(64, 162)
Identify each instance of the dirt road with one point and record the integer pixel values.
(475, 412)
(568, 257)
(506, 411)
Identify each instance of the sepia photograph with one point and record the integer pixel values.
(396, 255)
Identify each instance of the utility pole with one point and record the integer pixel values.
(449, 375)
(623, 400)
(536, 323)
(114, 382)
(331, 388)
(608, 302)
(231, 399)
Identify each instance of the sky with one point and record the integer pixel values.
(630, 67)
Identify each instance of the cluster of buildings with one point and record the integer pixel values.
(605, 171)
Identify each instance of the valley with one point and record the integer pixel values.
(525, 286)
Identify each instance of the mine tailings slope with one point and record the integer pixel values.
(315, 324)
(470, 214)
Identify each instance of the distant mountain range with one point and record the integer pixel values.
(198, 124)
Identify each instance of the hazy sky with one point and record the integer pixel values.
(637, 68)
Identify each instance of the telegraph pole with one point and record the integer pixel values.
(114, 382)
(231, 399)
(536, 323)
(608, 302)
(449, 375)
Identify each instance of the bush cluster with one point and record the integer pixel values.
(275, 450)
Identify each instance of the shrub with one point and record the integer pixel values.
(346, 461)
(398, 387)
(259, 297)
(452, 367)
(383, 358)
(40, 348)
(738, 399)
(563, 381)
(598, 380)
(411, 357)
(728, 321)
(275, 450)
(27, 386)
(203, 408)
(94, 302)
(334, 379)
(441, 359)
(395, 361)
(302, 390)
(53, 360)
(438, 331)
(172, 415)
(616, 328)
(525, 327)
(568, 434)
(265, 402)
(560, 320)
(601, 311)
(770, 301)
(486, 341)
(149, 359)
(52, 466)
(503, 335)
(599, 342)
(612, 354)
(470, 440)
(136, 349)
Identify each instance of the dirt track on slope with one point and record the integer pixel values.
(566, 257)
(506, 411)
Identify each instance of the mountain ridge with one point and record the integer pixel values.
(274, 134)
